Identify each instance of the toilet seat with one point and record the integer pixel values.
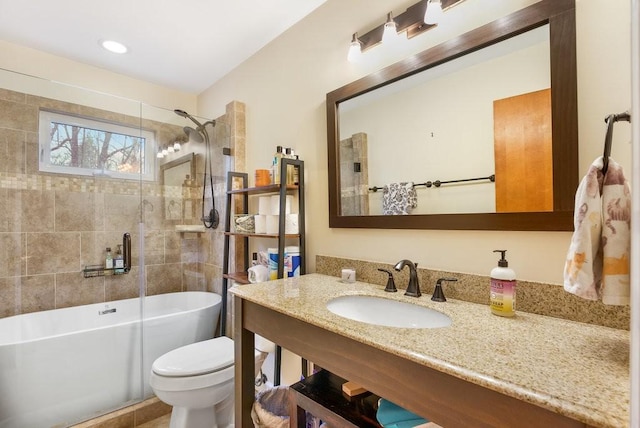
(196, 359)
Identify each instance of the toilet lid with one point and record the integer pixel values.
(196, 359)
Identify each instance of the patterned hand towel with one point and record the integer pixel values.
(583, 268)
(616, 237)
(601, 240)
(398, 198)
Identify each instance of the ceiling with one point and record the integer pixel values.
(183, 44)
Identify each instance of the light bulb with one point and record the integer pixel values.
(433, 13)
(176, 146)
(170, 149)
(355, 49)
(115, 47)
(160, 155)
(390, 33)
(165, 152)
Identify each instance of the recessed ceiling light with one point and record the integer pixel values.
(113, 46)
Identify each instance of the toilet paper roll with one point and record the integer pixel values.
(264, 205)
(258, 273)
(289, 205)
(291, 224)
(275, 204)
(273, 224)
(264, 345)
(260, 223)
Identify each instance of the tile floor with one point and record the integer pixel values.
(161, 422)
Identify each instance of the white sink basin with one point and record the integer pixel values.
(386, 312)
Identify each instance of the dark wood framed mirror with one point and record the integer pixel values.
(559, 16)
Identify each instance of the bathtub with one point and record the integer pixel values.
(63, 366)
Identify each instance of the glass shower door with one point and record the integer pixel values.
(71, 178)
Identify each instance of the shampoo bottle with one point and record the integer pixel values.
(277, 160)
(503, 288)
(108, 261)
(118, 262)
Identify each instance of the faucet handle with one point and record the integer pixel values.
(391, 285)
(438, 294)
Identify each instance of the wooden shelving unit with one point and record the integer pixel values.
(245, 192)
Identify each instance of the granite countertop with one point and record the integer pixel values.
(574, 369)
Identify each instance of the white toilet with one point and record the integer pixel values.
(197, 380)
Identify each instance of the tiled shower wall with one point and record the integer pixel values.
(52, 225)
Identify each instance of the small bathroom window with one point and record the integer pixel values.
(84, 146)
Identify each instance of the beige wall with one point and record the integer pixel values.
(31, 62)
(285, 84)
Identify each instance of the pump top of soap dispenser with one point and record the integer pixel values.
(502, 262)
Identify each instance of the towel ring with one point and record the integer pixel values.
(610, 120)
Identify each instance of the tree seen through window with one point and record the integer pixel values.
(83, 147)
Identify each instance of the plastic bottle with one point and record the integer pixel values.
(503, 288)
(118, 261)
(108, 263)
(296, 173)
(289, 155)
(277, 161)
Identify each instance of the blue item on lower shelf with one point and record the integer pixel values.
(391, 415)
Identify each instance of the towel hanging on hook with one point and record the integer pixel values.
(610, 120)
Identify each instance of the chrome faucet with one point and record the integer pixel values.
(413, 288)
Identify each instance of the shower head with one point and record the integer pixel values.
(193, 134)
(184, 114)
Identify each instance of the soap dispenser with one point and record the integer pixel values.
(503, 288)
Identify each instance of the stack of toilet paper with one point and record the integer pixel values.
(267, 221)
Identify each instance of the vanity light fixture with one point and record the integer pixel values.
(113, 46)
(433, 13)
(171, 148)
(390, 32)
(414, 21)
(355, 49)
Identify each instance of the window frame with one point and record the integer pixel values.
(46, 117)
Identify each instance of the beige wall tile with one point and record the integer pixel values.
(13, 96)
(119, 287)
(151, 412)
(165, 278)
(18, 116)
(37, 210)
(77, 211)
(12, 151)
(93, 248)
(193, 279)
(26, 210)
(32, 155)
(53, 252)
(9, 296)
(172, 247)
(73, 289)
(37, 293)
(154, 247)
(13, 254)
(121, 212)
